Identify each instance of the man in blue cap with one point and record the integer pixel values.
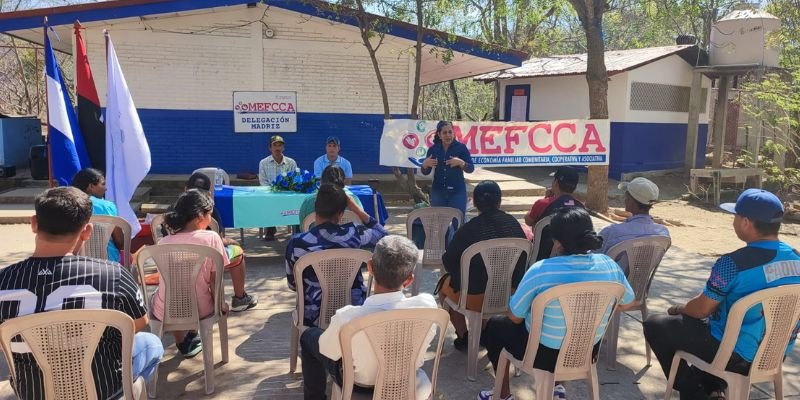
(332, 157)
(697, 326)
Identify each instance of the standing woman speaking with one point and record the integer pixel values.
(451, 159)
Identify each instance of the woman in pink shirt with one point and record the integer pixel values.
(188, 222)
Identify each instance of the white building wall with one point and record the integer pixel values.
(195, 62)
(672, 70)
(566, 97)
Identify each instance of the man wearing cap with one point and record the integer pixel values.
(272, 166)
(640, 195)
(565, 181)
(332, 157)
(734, 276)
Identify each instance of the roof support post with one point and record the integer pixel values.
(695, 104)
(720, 117)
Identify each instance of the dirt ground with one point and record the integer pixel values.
(700, 227)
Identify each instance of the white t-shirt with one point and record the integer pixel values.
(365, 362)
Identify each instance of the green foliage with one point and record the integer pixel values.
(780, 181)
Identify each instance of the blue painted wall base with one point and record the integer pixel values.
(637, 146)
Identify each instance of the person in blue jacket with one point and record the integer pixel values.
(449, 159)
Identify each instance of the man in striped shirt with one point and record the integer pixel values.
(55, 279)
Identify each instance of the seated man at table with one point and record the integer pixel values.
(332, 158)
(328, 234)
(392, 266)
(272, 166)
(334, 175)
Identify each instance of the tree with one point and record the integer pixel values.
(590, 13)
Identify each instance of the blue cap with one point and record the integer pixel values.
(757, 205)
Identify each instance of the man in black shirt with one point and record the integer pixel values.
(55, 279)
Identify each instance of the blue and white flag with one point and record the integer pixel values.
(67, 151)
(127, 152)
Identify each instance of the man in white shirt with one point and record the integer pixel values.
(392, 266)
(272, 166)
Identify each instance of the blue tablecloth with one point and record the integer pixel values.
(257, 206)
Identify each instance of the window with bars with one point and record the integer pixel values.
(647, 96)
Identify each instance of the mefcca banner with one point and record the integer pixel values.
(405, 142)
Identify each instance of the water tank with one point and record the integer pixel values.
(741, 37)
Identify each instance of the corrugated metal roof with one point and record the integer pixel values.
(575, 64)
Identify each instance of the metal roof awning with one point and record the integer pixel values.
(469, 57)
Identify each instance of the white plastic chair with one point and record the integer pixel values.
(156, 225)
(179, 266)
(347, 218)
(398, 338)
(64, 343)
(585, 306)
(102, 228)
(781, 312)
(435, 222)
(537, 236)
(211, 173)
(336, 269)
(640, 257)
(500, 256)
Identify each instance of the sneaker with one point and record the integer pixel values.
(559, 392)
(246, 302)
(489, 395)
(190, 346)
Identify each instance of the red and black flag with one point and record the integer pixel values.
(89, 113)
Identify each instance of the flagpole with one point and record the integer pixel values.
(51, 182)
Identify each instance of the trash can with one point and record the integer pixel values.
(37, 162)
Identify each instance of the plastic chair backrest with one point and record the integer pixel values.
(179, 266)
(397, 338)
(781, 311)
(211, 173)
(500, 256)
(640, 257)
(435, 222)
(538, 228)
(213, 225)
(585, 305)
(64, 343)
(336, 270)
(102, 228)
(347, 218)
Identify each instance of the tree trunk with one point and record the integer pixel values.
(590, 13)
(454, 95)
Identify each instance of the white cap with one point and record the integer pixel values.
(642, 190)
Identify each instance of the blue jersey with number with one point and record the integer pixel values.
(758, 266)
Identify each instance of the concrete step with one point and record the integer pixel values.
(16, 213)
(153, 208)
(142, 194)
(518, 203)
(514, 188)
(21, 196)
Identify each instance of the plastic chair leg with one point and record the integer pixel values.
(778, 382)
(647, 350)
(155, 328)
(502, 370)
(293, 350)
(207, 338)
(474, 329)
(594, 384)
(223, 337)
(676, 362)
(612, 337)
(544, 382)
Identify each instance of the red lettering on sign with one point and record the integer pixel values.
(592, 137)
(487, 139)
(546, 128)
(557, 131)
(468, 139)
(512, 137)
(519, 92)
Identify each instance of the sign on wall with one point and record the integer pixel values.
(405, 142)
(264, 112)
